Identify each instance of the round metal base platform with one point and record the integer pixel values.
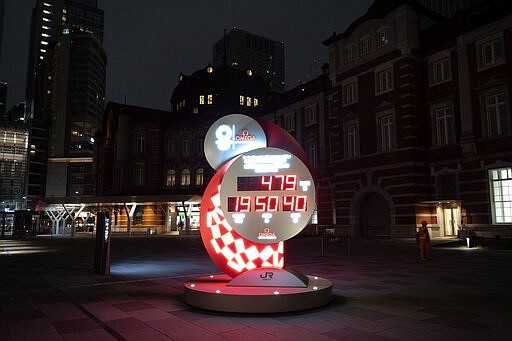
(213, 293)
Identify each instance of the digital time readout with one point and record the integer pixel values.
(267, 183)
(270, 203)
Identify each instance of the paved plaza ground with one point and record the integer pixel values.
(382, 291)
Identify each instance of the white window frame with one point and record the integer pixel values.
(384, 80)
(351, 133)
(492, 43)
(349, 92)
(440, 71)
(382, 37)
(349, 53)
(365, 45)
(199, 176)
(140, 141)
(171, 178)
(312, 152)
(310, 115)
(289, 122)
(139, 173)
(386, 131)
(443, 121)
(501, 111)
(185, 177)
(500, 185)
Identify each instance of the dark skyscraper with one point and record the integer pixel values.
(243, 50)
(65, 96)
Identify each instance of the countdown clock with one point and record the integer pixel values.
(267, 195)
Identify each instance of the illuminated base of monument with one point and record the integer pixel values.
(218, 294)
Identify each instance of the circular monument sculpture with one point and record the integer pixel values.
(260, 196)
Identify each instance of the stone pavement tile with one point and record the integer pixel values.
(297, 333)
(262, 322)
(150, 314)
(165, 303)
(132, 306)
(20, 315)
(368, 314)
(33, 328)
(355, 335)
(249, 334)
(190, 314)
(170, 325)
(104, 311)
(145, 334)
(411, 323)
(188, 334)
(61, 311)
(363, 324)
(217, 324)
(126, 325)
(115, 297)
(95, 334)
(401, 333)
(313, 323)
(75, 325)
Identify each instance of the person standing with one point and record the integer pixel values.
(424, 239)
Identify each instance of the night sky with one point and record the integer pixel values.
(149, 42)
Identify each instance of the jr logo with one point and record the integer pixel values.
(267, 276)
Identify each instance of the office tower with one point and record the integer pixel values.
(64, 96)
(244, 50)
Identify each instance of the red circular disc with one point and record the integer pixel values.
(231, 252)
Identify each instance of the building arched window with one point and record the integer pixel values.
(171, 177)
(199, 176)
(185, 177)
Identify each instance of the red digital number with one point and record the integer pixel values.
(243, 204)
(267, 182)
(291, 183)
(281, 177)
(261, 204)
(288, 203)
(301, 203)
(272, 203)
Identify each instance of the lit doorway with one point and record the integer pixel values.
(448, 215)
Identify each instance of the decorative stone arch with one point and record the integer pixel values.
(372, 199)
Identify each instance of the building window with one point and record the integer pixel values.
(490, 53)
(199, 176)
(501, 195)
(382, 37)
(386, 132)
(171, 146)
(137, 218)
(201, 99)
(384, 81)
(310, 116)
(210, 99)
(171, 178)
(289, 122)
(185, 177)
(444, 124)
(349, 55)
(364, 46)
(186, 146)
(249, 101)
(139, 174)
(312, 152)
(440, 71)
(349, 93)
(255, 102)
(351, 140)
(200, 147)
(242, 100)
(140, 142)
(495, 107)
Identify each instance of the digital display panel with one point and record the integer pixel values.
(281, 182)
(267, 195)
